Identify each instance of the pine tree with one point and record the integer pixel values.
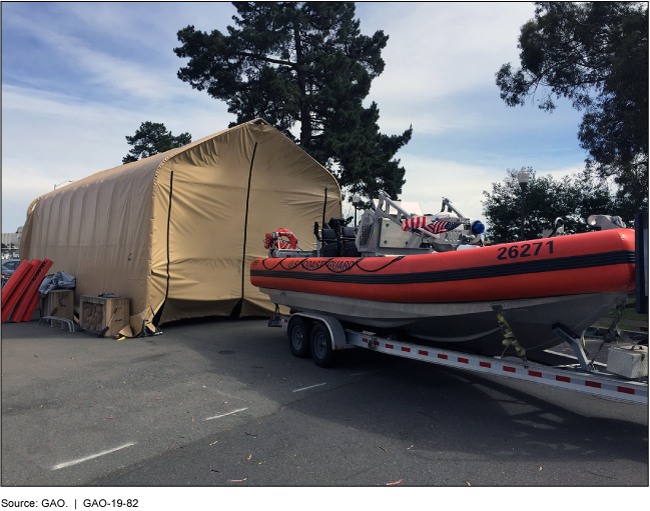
(596, 55)
(303, 63)
(153, 138)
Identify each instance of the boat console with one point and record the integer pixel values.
(390, 228)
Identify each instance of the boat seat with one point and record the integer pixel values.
(329, 235)
(349, 232)
(338, 241)
(336, 223)
(330, 242)
(349, 249)
(330, 250)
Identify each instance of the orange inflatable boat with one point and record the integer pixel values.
(456, 295)
(599, 262)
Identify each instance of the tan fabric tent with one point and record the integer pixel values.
(176, 232)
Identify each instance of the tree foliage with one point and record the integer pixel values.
(596, 55)
(153, 138)
(303, 63)
(573, 198)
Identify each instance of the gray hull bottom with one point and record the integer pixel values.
(470, 325)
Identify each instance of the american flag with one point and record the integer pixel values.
(430, 224)
(440, 226)
(414, 223)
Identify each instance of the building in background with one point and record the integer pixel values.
(11, 243)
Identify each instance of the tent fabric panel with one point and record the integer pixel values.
(177, 309)
(204, 226)
(226, 153)
(209, 194)
(207, 220)
(212, 290)
(162, 190)
(96, 229)
(287, 190)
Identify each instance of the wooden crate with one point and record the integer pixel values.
(59, 303)
(97, 313)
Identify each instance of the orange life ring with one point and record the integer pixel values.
(273, 239)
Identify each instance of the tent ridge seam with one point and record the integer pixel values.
(211, 137)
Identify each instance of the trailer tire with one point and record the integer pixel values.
(299, 337)
(321, 346)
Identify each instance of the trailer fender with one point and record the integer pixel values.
(337, 334)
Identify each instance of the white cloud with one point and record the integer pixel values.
(436, 49)
(49, 137)
(57, 125)
(117, 74)
(430, 179)
(427, 117)
(559, 173)
(148, 25)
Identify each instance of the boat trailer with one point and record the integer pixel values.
(322, 336)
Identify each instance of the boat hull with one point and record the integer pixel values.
(470, 325)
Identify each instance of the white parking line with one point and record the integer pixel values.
(305, 388)
(92, 456)
(225, 414)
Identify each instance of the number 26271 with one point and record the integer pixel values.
(525, 250)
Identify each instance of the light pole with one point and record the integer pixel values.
(523, 177)
(355, 201)
(64, 182)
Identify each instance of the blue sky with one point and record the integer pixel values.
(78, 77)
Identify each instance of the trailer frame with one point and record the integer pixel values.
(568, 377)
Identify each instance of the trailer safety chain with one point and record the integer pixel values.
(328, 264)
(609, 336)
(597, 353)
(509, 339)
(614, 330)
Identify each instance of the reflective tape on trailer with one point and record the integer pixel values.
(594, 384)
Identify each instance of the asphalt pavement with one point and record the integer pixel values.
(223, 403)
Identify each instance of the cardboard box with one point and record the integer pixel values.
(98, 312)
(59, 303)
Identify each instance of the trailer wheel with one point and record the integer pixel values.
(321, 346)
(298, 332)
